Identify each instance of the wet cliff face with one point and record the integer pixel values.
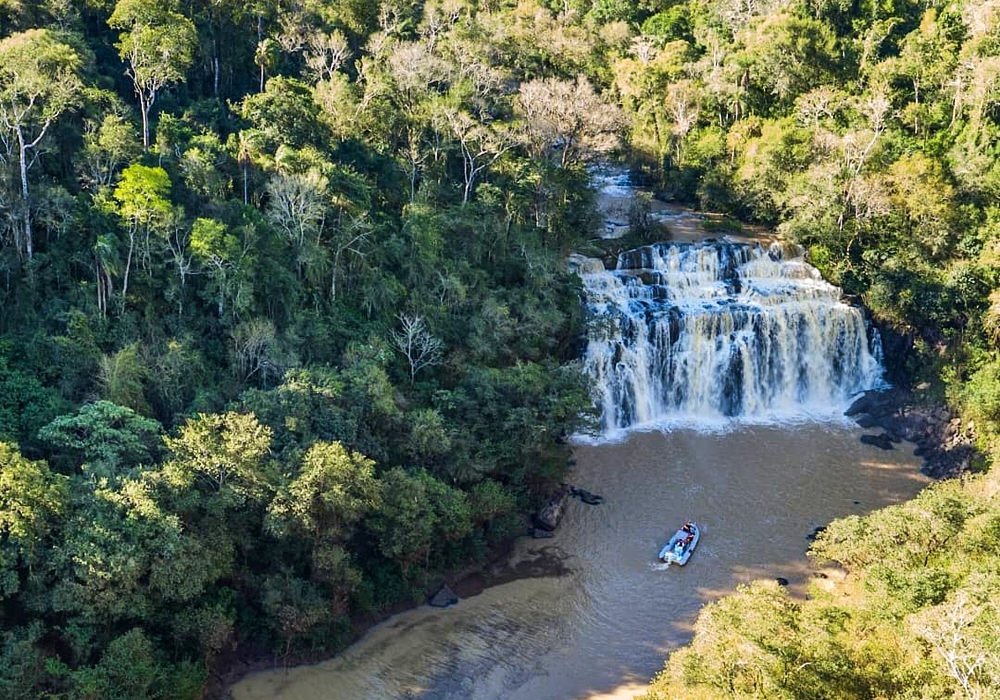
(714, 330)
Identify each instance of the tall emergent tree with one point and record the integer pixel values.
(158, 42)
(39, 81)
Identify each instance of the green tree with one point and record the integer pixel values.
(108, 145)
(39, 81)
(133, 669)
(158, 43)
(333, 490)
(31, 499)
(418, 514)
(220, 251)
(226, 454)
(121, 376)
(143, 199)
(25, 405)
(295, 608)
(105, 438)
(744, 647)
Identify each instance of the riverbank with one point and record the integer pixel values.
(529, 571)
(502, 566)
(602, 614)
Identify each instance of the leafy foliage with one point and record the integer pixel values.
(297, 353)
(333, 274)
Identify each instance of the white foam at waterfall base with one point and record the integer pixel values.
(716, 425)
(718, 336)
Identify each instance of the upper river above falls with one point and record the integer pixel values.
(738, 349)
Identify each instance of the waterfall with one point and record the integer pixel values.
(704, 332)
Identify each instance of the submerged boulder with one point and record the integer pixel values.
(548, 518)
(867, 420)
(882, 441)
(591, 499)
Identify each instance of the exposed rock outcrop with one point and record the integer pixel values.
(944, 442)
(548, 518)
(444, 598)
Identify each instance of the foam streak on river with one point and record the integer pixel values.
(601, 622)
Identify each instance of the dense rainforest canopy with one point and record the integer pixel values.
(285, 327)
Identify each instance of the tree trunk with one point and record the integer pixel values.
(144, 106)
(215, 68)
(23, 148)
(128, 266)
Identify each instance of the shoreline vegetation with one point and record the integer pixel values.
(496, 570)
(286, 329)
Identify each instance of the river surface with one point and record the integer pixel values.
(601, 616)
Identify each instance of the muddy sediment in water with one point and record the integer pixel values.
(597, 614)
(590, 613)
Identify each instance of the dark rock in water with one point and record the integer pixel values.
(674, 323)
(883, 442)
(540, 534)
(591, 499)
(816, 530)
(859, 405)
(867, 420)
(873, 402)
(444, 598)
(895, 425)
(548, 517)
(732, 391)
(782, 581)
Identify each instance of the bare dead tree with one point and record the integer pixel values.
(255, 350)
(326, 53)
(951, 629)
(568, 120)
(298, 209)
(352, 237)
(415, 341)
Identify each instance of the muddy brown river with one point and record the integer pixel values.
(600, 623)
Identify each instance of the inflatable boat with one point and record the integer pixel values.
(678, 550)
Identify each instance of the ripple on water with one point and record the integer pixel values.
(601, 627)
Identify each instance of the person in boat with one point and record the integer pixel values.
(688, 539)
(688, 528)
